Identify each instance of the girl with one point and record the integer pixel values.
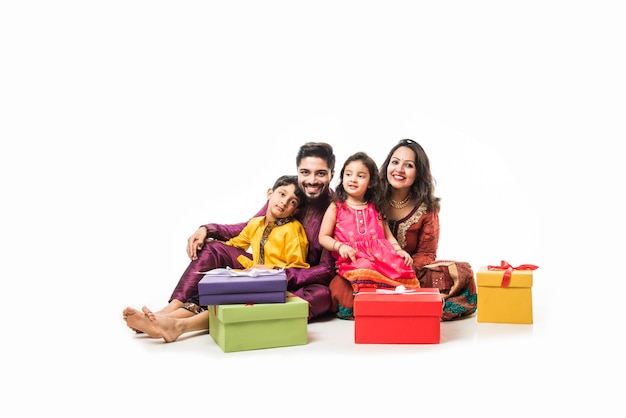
(367, 254)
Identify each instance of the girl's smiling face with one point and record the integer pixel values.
(356, 179)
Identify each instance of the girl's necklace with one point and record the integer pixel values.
(400, 204)
(356, 204)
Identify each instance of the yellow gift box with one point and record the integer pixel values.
(505, 294)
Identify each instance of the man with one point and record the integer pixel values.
(315, 162)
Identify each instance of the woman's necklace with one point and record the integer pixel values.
(400, 204)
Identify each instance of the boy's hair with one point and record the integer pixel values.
(287, 180)
(317, 149)
(424, 186)
(374, 191)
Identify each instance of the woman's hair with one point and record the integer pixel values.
(291, 179)
(374, 191)
(423, 188)
(317, 149)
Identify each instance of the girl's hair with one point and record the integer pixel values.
(423, 188)
(374, 191)
(291, 179)
(317, 149)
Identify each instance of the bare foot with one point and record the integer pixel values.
(139, 322)
(155, 325)
(128, 312)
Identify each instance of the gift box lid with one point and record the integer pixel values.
(294, 307)
(418, 302)
(227, 280)
(493, 278)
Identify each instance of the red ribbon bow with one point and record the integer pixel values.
(506, 279)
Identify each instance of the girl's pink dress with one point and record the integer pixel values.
(378, 265)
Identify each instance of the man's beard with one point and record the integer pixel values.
(313, 191)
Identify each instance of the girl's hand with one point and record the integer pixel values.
(408, 260)
(347, 251)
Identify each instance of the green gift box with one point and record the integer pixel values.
(240, 327)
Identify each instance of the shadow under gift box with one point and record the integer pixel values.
(240, 327)
(398, 318)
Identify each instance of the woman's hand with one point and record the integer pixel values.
(195, 242)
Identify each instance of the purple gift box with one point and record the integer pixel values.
(231, 286)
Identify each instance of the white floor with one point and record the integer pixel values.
(556, 365)
(80, 358)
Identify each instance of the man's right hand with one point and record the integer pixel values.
(195, 242)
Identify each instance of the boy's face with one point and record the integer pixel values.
(283, 202)
(314, 177)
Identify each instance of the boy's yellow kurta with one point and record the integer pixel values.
(286, 245)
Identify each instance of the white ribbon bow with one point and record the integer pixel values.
(252, 272)
(399, 290)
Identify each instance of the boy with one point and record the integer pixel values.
(277, 239)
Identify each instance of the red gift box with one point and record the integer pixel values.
(398, 317)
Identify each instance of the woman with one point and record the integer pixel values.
(410, 206)
(412, 212)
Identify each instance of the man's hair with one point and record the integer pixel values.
(287, 180)
(317, 149)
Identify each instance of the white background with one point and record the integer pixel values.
(126, 124)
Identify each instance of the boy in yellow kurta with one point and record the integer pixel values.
(277, 240)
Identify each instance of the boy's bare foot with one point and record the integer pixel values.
(140, 322)
(127, 312)
(154, 325)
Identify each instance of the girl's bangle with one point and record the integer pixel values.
(338, 246)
